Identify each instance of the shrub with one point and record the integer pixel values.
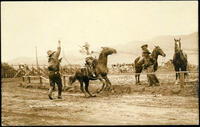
(7, 71)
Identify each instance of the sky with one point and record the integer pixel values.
(25, 25)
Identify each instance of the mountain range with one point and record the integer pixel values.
(128, 51)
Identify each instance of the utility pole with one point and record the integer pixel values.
(37, 59)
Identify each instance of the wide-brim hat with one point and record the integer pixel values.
(50, 52)
(146, 51)
(143, 46)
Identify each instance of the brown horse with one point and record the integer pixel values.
(138, 63)
(101, 71)
(179, 59)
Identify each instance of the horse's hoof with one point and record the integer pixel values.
(100, 91)
(86, 96)
(176, 83)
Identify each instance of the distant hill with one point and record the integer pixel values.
(128, 51)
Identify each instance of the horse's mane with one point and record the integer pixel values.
(153, 54)
(136, 60)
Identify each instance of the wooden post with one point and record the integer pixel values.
(182, 80)
(29, 79)
(23, 78)
(40, 80)
(64, 81)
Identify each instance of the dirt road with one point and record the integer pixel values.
(28, 106)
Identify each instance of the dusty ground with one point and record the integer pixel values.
(128, 104)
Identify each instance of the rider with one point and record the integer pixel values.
(89, 64)
(53, 68)
(89, 60)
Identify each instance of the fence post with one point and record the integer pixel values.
(182, 80)
(64, 81)
(29, 79)
(40, 80)
(23, 78)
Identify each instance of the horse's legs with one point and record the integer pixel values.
(136, 78)
(139, 78)
(102, 81)
(184, 68)
(108, 82)
(177, 74)
(86, 88)
(81, 87)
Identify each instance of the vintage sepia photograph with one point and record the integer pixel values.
(99, 63)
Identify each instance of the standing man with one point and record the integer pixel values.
(54, 75)
(148, 63)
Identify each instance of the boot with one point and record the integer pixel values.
(157, 84)
(50, 97)
(50, 93)
(59, 97)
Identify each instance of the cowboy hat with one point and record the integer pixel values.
(50, 52)
(144, 46)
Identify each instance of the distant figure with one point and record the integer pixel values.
(54, 74)
(179, 59)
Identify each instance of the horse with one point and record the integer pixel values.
(101, 71)
(138, 63)
(179, 59)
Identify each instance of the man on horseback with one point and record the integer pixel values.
(89, 61)
(90, 65)
(53, 68)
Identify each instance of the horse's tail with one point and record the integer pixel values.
(72, 79)
(136, 60)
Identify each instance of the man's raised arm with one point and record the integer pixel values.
(58, 49)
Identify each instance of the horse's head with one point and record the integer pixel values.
(159, 51)
(108, 51)
(177, 44)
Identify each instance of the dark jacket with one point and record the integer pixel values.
(53, 61)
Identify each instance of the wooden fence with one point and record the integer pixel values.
(42, 79)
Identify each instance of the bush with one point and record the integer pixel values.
(7, 71)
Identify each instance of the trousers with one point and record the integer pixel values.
(152, 78)
(55, 78)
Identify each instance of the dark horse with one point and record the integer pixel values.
(138, 63)
(101, 72)
(179, 59)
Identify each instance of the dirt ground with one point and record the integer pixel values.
(126, 105)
